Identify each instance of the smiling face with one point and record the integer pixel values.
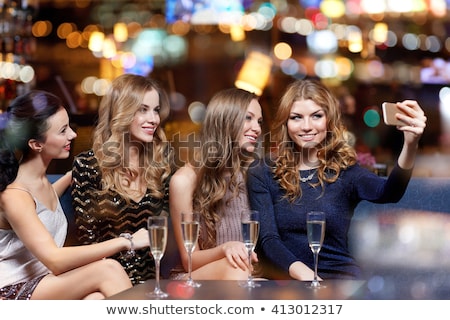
(59, 136)
(252, 127)
(147, 118)
(307, 124)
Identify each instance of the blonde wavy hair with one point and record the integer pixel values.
(219, 161)
(334, 154)
(111, 140)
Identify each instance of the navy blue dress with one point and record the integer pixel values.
(283, 237)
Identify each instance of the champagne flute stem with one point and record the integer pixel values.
(316, 262)
(157, 265)
(190, 266)
(250, 278)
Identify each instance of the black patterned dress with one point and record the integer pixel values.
(103, 216)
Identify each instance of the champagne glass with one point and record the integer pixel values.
(315, 224)
(157, 232)
(190, 225)
(250, 232)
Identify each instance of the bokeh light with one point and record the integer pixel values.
(372, 117)
(197, 112)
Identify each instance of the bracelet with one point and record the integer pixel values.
(130, 253)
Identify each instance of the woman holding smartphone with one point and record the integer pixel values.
(313, 168)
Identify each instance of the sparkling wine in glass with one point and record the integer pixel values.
(315, 224)
(190, 223)
(157, 232)
(250, 232)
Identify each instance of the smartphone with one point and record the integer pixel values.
(389, 111)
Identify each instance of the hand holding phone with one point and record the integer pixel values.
(389, 111)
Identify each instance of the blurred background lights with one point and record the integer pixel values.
(282, 50)
(109, 49)
(322, 42)
(267, 10)
(7, 70)
(289, 66)
(149, 43)
(327, 25)
(74, 40)
(371, 139)
(371, 118)
(405, 6)
(340, 30)
(41, 28)
(237, 33)
(319, 20)
(304, 27)
(407, 234)
(345, 68)
(64, 29)
(128, 59)
(196, 112)
(433, 44)
(254, 73)
(439, 7)
(310, 3)
(175, 46)
(392, 39)
(326, 68)
(371, 6)
(410, 41)
(379, 33)
(120, 32)
(26, 74)
(375, 283)
(375, 68)
(444, 95)
(96, 41)
(287, 24)
(333, 8)
(101, 86)
(444, 98)
(355, 41)
(177, 101)
(87, 85)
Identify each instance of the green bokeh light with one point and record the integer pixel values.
(371, 138)
(372, 118)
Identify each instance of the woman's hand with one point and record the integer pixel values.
(414, 118)
(140, 239)
(300, 271)
(237, 255)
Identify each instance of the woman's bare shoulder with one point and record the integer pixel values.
(14, 200)
(184, 177)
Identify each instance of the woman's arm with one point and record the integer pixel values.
(19, 210)
(300, 271)
(181, 190)
(416, 120)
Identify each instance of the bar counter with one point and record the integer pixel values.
(269, 290)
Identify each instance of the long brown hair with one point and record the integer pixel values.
(334, 154)
(218, 161)
(116, 112)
